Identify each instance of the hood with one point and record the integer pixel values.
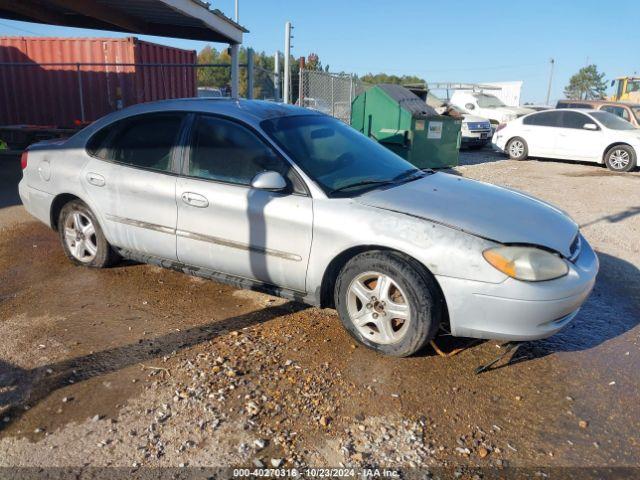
(474, 118)
(495, 213)
(519, 111)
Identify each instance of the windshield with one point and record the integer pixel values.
(636, 112)
(633, 86)
(488, 101)
(335, 155)
(612, 121)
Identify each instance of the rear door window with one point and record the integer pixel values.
(144, 141)
(543, 119)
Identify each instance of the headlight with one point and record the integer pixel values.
(465, 127)
(526, 263)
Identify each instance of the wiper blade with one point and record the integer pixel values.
(363, 183)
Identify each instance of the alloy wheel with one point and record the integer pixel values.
(378, 308)
(619, 159)
(80, 236)
(516, 149)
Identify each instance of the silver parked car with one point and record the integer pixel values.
(292, 202)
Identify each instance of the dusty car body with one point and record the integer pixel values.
(299, 243)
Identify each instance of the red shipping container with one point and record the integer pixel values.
(38, 93)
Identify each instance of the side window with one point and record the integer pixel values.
(574, 120)
(543, 119)
(619, 111)
(226, 151)
(144, 141)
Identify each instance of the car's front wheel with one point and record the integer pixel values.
(621, 158)
(82, 238)
(388, 302)
(517, 149)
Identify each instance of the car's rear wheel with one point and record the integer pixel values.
(621, 158)
(388, 303)
(82, 238)
(517, 149)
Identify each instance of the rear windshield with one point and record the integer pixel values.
(488, 101)
(612, 121)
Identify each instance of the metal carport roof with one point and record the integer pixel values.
(190, 19)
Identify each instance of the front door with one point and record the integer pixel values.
(131, 178)
(226, 225)
(577, 143)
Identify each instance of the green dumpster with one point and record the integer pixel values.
(402, 122)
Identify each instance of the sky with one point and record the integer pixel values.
(440, 41)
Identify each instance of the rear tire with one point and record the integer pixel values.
(82, 238)
(388, 302)
(517, 149)
(621, 158)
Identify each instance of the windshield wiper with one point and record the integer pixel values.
(363, 183)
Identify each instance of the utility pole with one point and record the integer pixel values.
(237, 14)
(552, 61)
(276, 76)
(287, 69)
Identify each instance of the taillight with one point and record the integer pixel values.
(23, 160)
(500, 127)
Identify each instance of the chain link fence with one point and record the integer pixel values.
(330, 93)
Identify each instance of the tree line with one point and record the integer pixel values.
(587, 84)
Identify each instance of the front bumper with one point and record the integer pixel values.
(517, 310)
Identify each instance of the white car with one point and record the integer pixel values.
(572, 134)
(487, 106)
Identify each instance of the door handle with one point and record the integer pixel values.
(195, 199)
(96, 179)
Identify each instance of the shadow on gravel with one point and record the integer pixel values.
(612, 310)
(21, 389)
(614, 217)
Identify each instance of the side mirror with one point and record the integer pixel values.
(613, 82)
(269, 180)
(590, 126)
(470, 106)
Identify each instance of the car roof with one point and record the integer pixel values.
(251, 112)
(579, 110)
(256, 110)
(601, 102)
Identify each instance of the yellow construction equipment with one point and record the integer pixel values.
(626, 89)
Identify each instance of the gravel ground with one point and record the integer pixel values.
(136, 366)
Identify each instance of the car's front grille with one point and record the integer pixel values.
(574, 249)
(478, 126)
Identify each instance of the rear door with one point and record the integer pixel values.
(574, 141)
(131, 180)
(540, 132)
(226, 225)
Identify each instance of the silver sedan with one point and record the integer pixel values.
(291, 202)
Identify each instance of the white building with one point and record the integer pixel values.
(509, 92)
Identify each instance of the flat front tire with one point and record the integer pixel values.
(621, 158)
(388, 303)
(82, 238)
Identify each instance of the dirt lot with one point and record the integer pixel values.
(136, 366)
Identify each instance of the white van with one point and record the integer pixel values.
(487, 106)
